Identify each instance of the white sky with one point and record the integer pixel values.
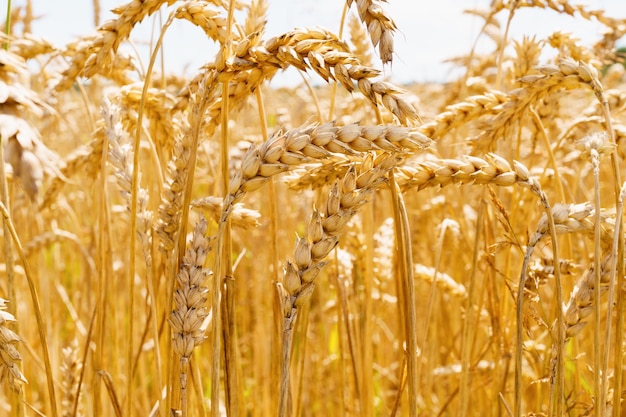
(428, 31)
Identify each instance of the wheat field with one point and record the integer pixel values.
(215, 246)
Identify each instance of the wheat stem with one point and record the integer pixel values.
(502, 46)
(598, 380)
(469, 326)
(133, 219)
(287, 337)
(405, 259)
(609, 311)
(367, 362)
(558, 381)
(37, 307)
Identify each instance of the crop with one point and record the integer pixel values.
(214, 245)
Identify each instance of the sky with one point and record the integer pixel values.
(429, 32)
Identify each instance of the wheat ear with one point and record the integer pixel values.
(189, 315)
(380, 26)
(9, 355)
(568, 74)
(343, 202)
(97, 53)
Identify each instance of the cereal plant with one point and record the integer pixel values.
(217, 246)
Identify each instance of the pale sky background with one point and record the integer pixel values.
(428, 33)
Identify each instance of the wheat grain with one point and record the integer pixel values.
(343, 201)
(157, 106)
(96, 53)
(569, 74)
(30, 46)
(458, 114)
(527, 52)
(121, 159)
(491, 170)
(9, 355)
(240, 216)
(580, 304)
(293, 148)
(84, 160)
(204, 16)
(380, 26)
(71, 368)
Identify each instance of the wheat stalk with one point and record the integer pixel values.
(323, 230)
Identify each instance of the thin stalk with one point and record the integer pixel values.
(520, 331)
(273, 222)
(96, 13)
(551, 159)
(468, 60)
(81, 377)
(223, 268)
(197, 385)
(619, 263)
(7, 28)
(133, 219)
(272, 189)
(431, 302)
(333, 88)
(8, 247)
(287, 339)
(318, 110)
(599, 379)
(155, 334)
(401, 386)
(196, 123)
(230, 346)
(342, 366)
(506, 406)
(557, 390)
(559, 380)
(405, 260)
(302, 326)
(468, 324)
(184, 402)
(343, 302)
(367, 358)
(36, 306)
(609, 311)
(620, 307)
(503, 45)
(103, 284)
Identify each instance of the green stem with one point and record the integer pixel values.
(7, 28)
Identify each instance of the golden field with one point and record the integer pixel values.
(214, 246)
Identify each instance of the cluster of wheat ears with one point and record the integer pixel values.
(215, 246)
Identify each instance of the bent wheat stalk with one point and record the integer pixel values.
(323, 230)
